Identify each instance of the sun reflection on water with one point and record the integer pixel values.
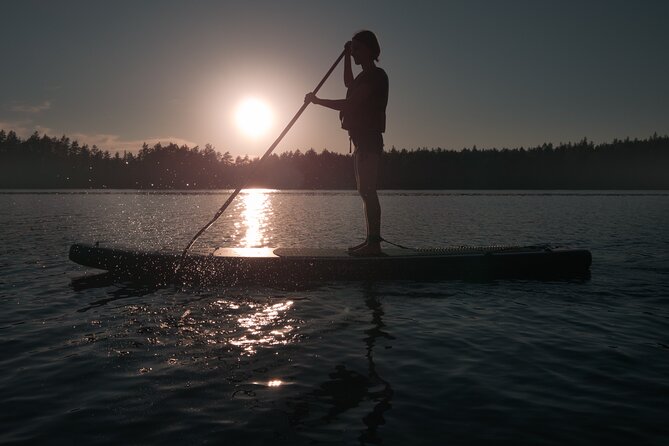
(246, 325)
(256, 325)
(256, 217)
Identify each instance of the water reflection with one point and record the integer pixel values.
(261, 327)
(380, 391)
(246, 325)
(256, 214)
(117, 290)
(349, 392)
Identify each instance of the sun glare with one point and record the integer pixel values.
(253, 117)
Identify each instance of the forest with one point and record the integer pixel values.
(44, 162)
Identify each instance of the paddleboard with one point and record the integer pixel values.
(297, 265)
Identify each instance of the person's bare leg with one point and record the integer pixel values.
(358, 246)
(373, 216)
(356, 157)
(367, 168)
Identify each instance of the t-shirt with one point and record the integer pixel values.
(369, 114)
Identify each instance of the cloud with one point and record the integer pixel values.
(103, 141)
(26, 127)
(115, 143)
(22, 128)
(31, 109)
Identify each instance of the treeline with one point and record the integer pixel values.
(40, 161)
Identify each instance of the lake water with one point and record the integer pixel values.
(88, 360)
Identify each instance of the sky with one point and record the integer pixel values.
(462, 73)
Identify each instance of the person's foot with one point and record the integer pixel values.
(367, 250)
(358, 246)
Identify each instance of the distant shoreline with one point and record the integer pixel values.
(43, 162)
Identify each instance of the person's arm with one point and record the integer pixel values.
(334, 104)
(361, 94)
(348, 71)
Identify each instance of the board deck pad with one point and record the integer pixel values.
(400, 252)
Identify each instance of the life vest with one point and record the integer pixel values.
(369, 115)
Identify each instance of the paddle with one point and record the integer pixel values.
(257, 167)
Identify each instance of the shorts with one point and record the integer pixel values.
(367, 142)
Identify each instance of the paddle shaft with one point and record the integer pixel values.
(257, 167)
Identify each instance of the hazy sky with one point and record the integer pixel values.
(462, 73)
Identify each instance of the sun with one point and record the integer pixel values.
(253, 117)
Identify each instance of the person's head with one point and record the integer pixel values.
(364, 44)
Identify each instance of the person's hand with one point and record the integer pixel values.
(310, 98)
(347, 48)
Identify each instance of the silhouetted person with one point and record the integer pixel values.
(363, 114)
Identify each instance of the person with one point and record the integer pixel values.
(363, 115)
